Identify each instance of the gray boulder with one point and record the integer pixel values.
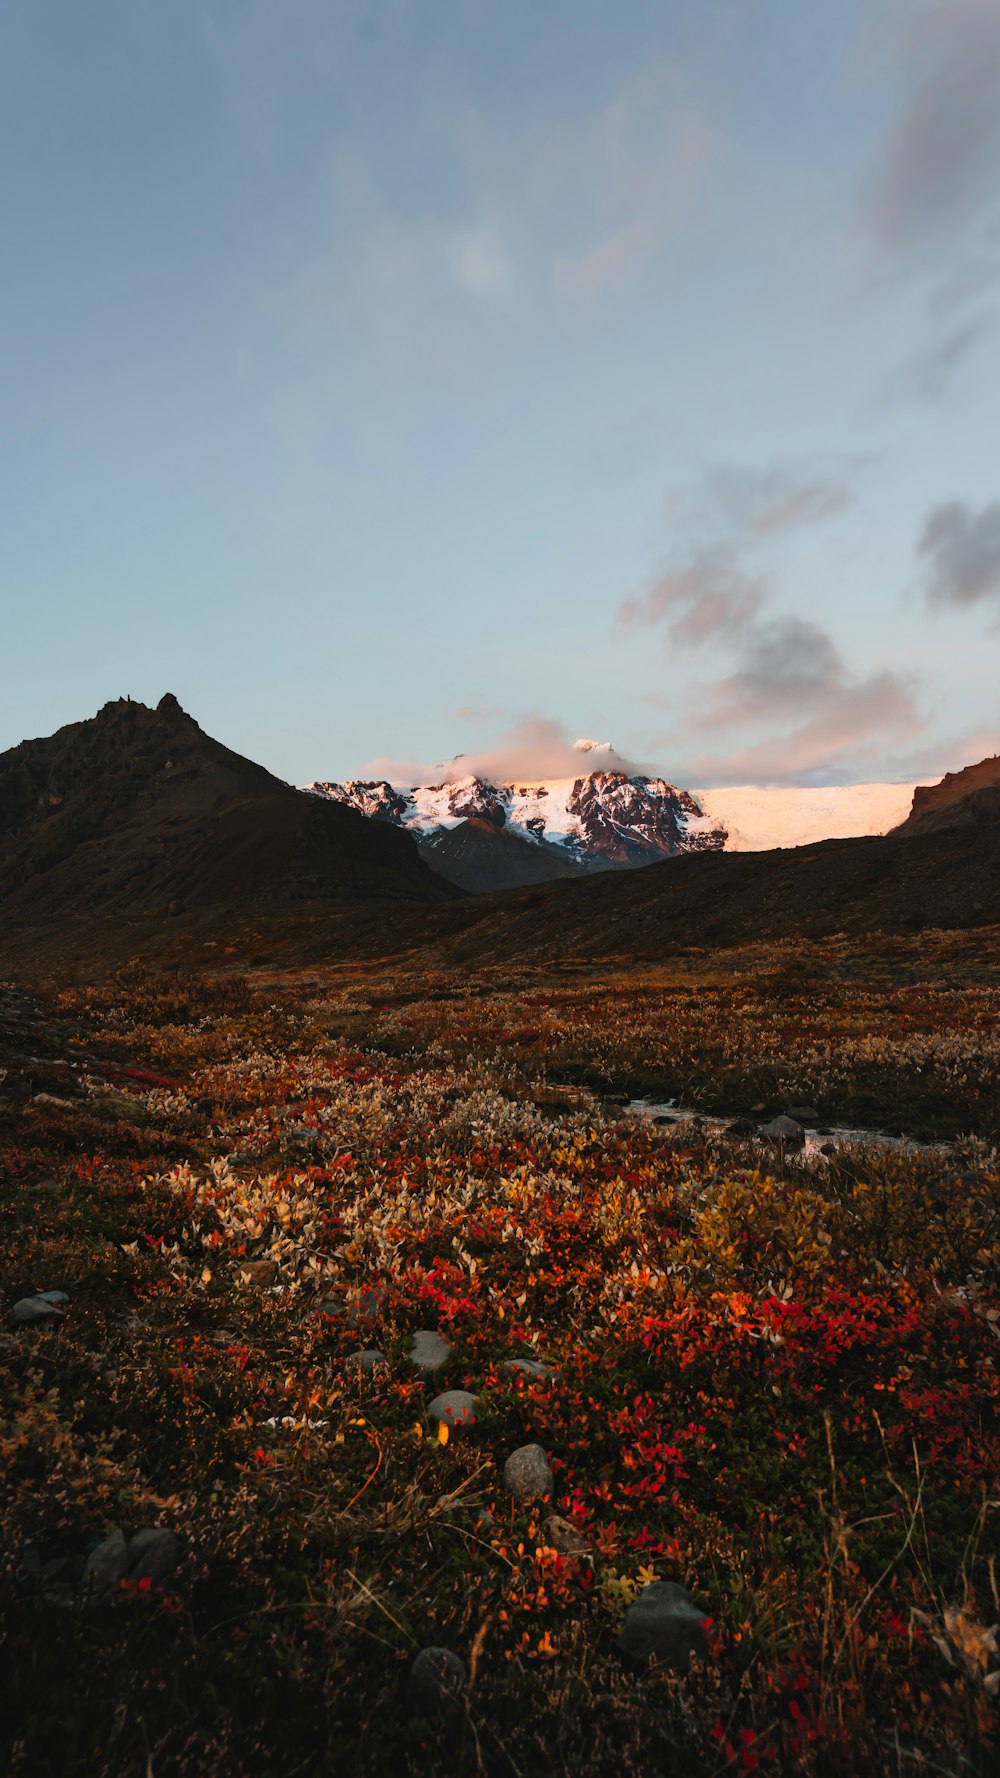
(663, 1625)
(784, 1130)
(153, 1555)
(366, 1362)
(436, 1684)
(105, 1567)
(526, 1473)
(428, 1351)
(32, 1309)
(527, 1367)
(370, 1304)
(804, 1114)
(456, 1407)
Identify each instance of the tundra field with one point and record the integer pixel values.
(769, 1377)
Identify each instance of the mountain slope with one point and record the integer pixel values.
(962, 799)
(139, 809)
(892, 884)
(481, 858)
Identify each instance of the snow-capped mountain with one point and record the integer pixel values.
(604, 818)
(609, 817)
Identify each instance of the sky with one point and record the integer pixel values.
(394, 379)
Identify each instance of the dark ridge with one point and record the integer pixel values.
(140, 810)
(481, 857)
(962, 799)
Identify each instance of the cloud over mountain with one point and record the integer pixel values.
(536, 747)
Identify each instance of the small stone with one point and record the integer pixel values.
(436, 1684)
(559, 1534)
(259, 1272)
(664, 1624)
(783, 1130)
(456, 1407)
(828, 1148)
(153, 1555)
(526, 1473)
(369, 1305)
(105, 1566)
(428, 1351)
(804, 1114)
(741, 1126)
(662, 1118)
(527, 1367)
(366, 1362)
(58, 1297)
(33, 1309)
(118, 1106)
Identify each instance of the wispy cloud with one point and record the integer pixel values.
(707, 598)
(712, 593)
(931, 373)
(787, 676)
(649, 153)
(943, 150)
(959, 551)
(845, 733)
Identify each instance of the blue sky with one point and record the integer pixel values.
(396, 379)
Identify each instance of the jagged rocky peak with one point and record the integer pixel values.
(604, 817)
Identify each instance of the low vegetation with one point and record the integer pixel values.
(775, 1379)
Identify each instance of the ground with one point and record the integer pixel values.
(775, 1380)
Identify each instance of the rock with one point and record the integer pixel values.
(436, 1684)
(662, 1118)
(58, 1297)
(784, 1131)
(105, 1566)
(366, 1362)
(526, 1473)
(828, 1148)
(824, 1130)
(153, 1555)
(614, 1099)
(370, 1304)
(260, 1272)
(118, 1106)
(456, 1407)
(428, 1351)
(559, 1534)
(28, 1576)
(527, 1367)
(664, 1624)
(804, 1114)
(33, 1309)
(741, 1126)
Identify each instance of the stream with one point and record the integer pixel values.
(839, 1135)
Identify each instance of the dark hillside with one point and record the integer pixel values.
(479, 857)
(140, 810)
(949, 879)
(962, 799)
